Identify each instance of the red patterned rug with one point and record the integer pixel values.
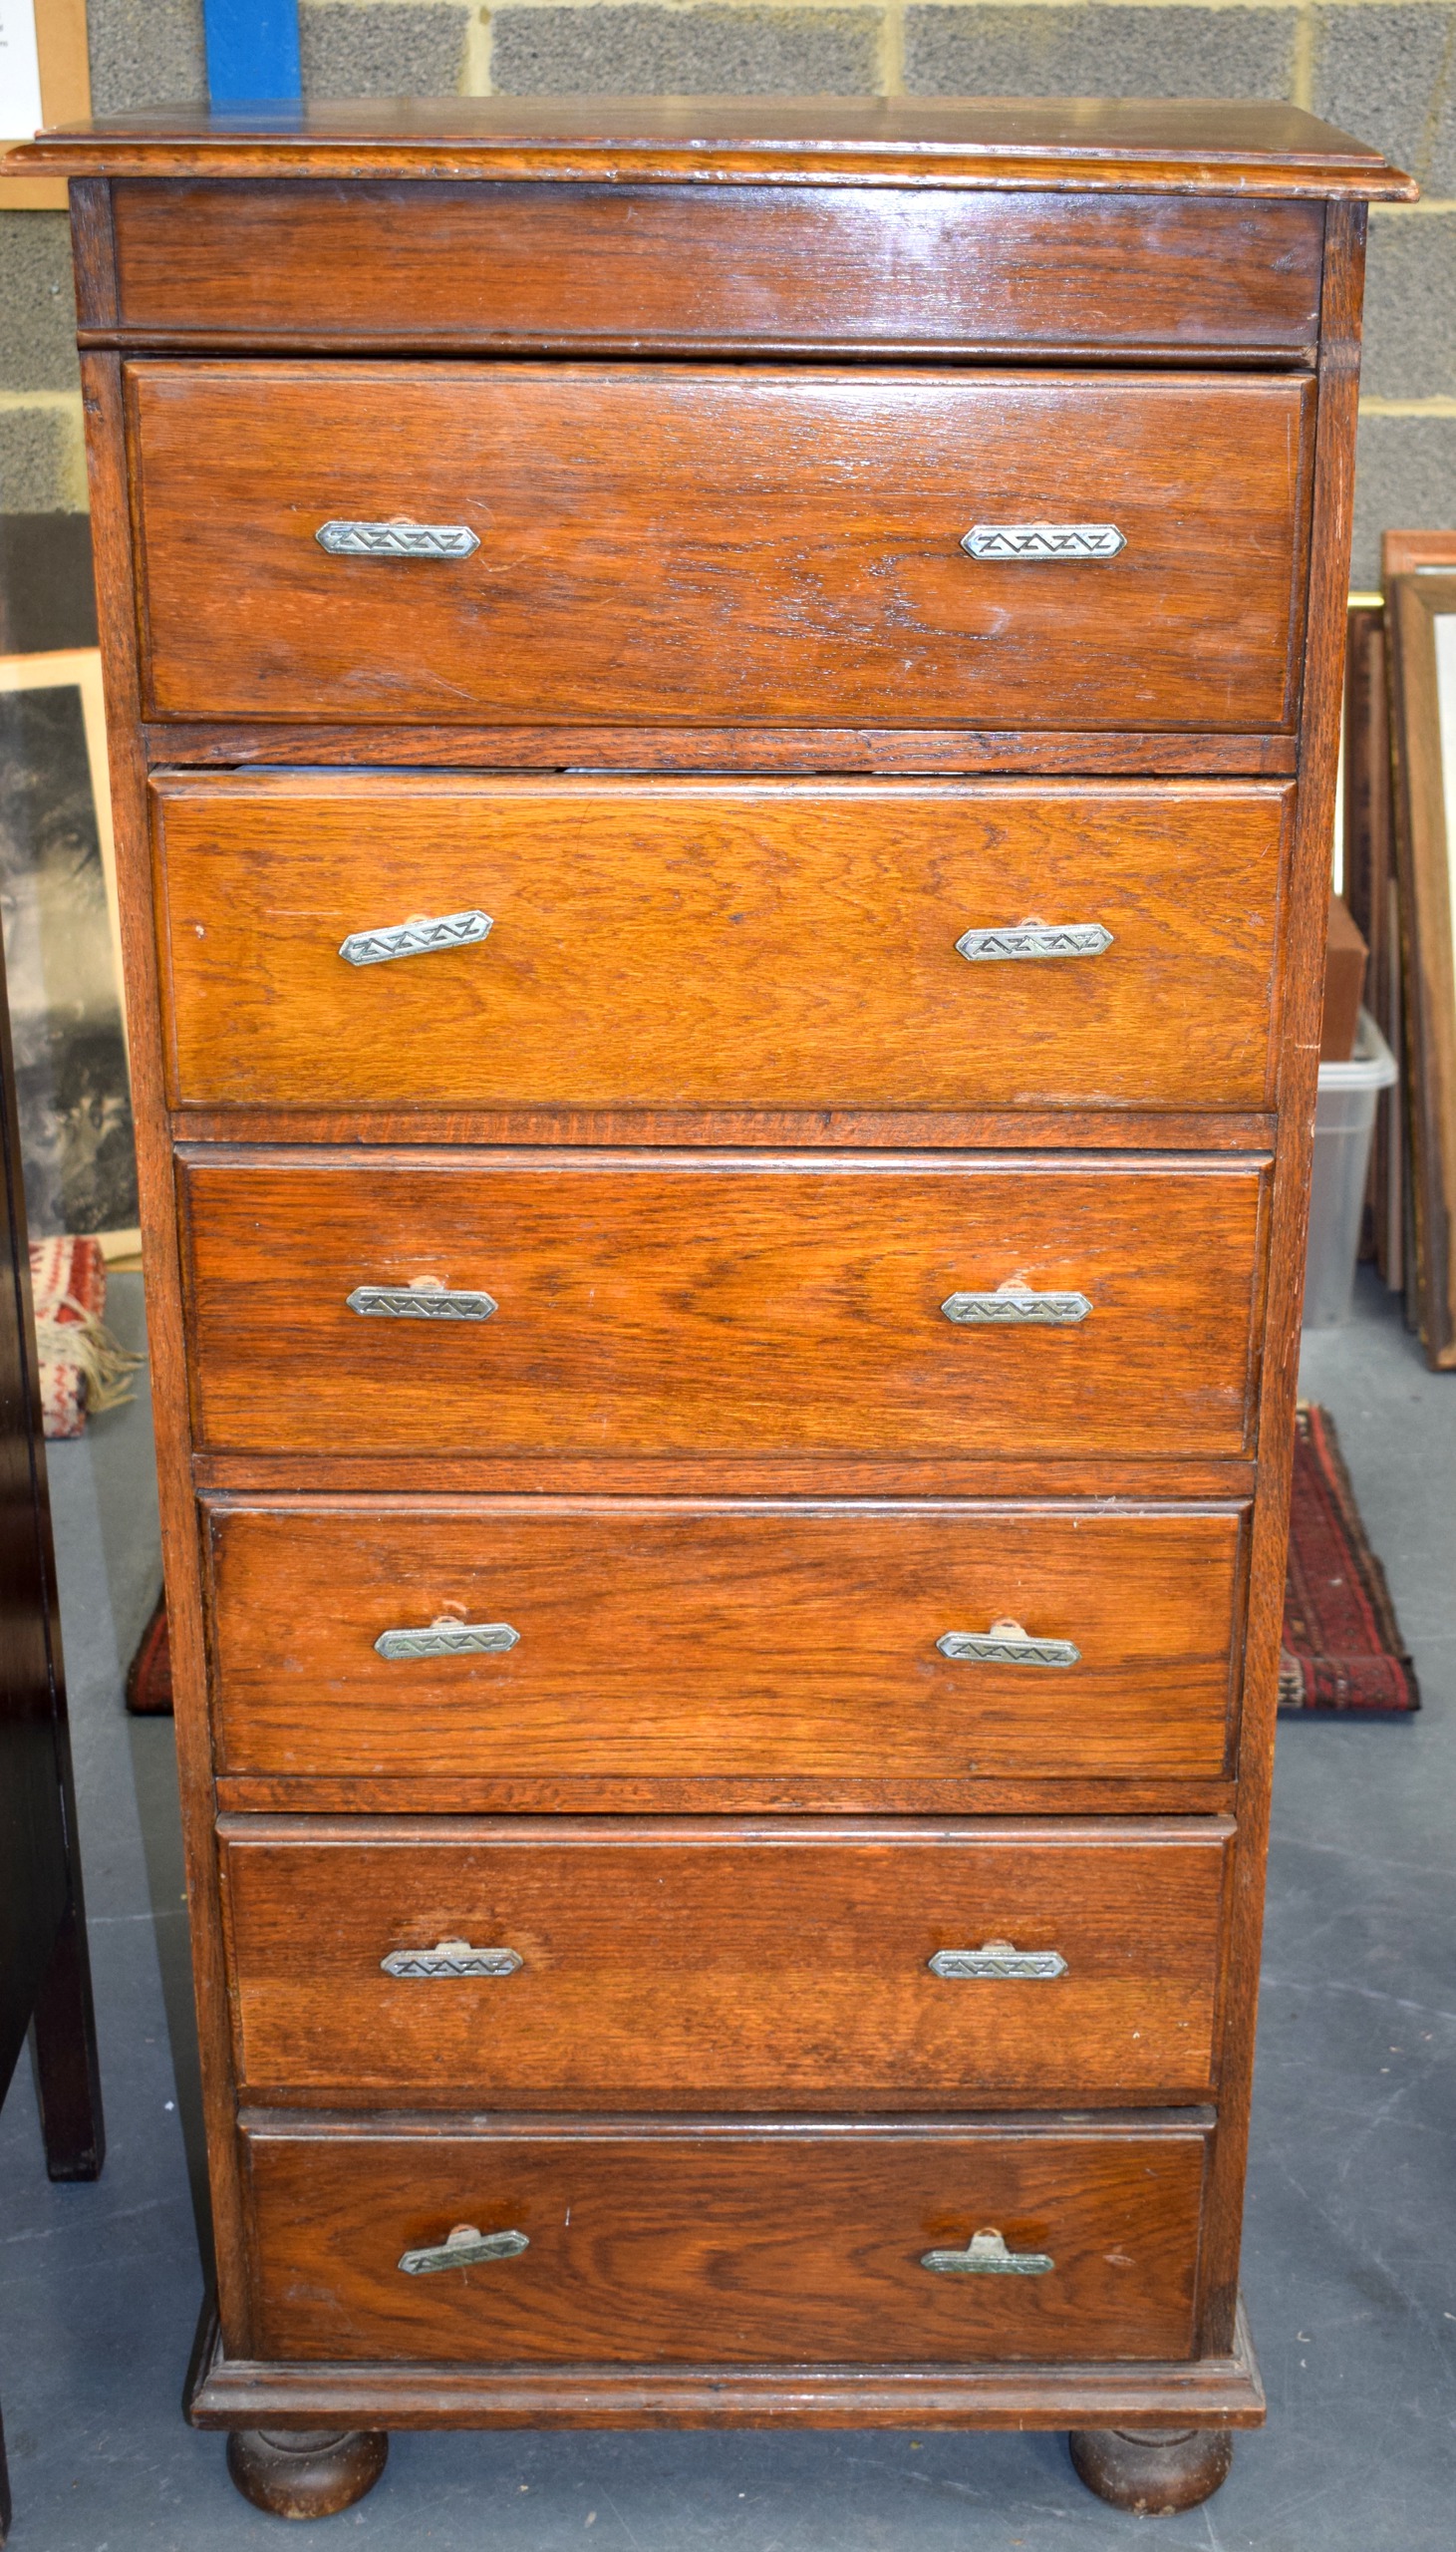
(1342, 1650)
(148, 1676)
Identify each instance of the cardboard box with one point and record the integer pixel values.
(1344, 985)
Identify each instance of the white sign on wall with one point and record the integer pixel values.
(20, 74)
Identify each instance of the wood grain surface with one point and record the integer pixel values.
(675, 1640)
(758, 752)
(695, 1964)
(706, 1304)
(1214, 2389)
(701, 944)
(1182, 146)
(505, 266)
(735, 2243)
(698, 547)
(854, 1129)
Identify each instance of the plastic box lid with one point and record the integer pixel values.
(1371, 1066)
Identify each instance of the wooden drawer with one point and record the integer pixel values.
(705, 1963)
(800, 2242)
(699, 546)
(769, 266)
(668, 1638)
(710, 1303)
(791, 944)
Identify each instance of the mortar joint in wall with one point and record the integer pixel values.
(475, 79)
(892, 50)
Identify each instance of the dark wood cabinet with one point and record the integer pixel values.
(44, 1965)
(725, 725)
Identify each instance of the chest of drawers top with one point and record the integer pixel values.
(1191, 227)
(733, 428)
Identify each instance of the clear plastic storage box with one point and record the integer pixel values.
(1344, 1121)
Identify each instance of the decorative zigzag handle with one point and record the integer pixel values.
(1030, 939)
(446, 1637)
(986, 2255)
(424, 1298)
(998, 1962)
(1043, 543)
(451, 1959)
(1007, 1643)
(419, 937)
(1014, 1307)
(464, 2248)
(398, 538)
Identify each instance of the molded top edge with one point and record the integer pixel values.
(1206, 146)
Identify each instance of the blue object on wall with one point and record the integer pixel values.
(252, 51)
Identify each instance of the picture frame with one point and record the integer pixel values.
(62, 926)
(42, 52)
(1425, 554)
(1420, 607)
(1367, 847)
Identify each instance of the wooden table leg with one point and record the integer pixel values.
(62, 2043)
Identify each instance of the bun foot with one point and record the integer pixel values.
(1152, 2471)
(306, 2471)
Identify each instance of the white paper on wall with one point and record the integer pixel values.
(20, 73)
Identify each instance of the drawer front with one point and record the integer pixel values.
(803, 2243)
(706, 1304)
(668, 1638)
(690, 1966)
(705, 547)
(763, 266)
(593, 944)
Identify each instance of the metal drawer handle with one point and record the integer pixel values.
(984, 2255)
(1014, 1304)
(416, 937)
(999, 1960)
(464, 2248)
(451, 1958)
(424, 1298)
(446, 1637)
(398, 538)
(1007, 1643)
(1043, 541)
(1026, 939)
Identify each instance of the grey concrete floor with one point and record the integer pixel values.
(1350, 2255)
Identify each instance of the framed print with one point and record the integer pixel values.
(1427, 553)
(45, 78)
(63, 951)
(1421, 616)
(1371, 893)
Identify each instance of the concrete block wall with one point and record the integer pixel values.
(1383, 69)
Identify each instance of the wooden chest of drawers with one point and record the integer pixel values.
(724, 726)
